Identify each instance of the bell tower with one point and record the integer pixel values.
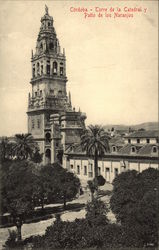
(48, 97)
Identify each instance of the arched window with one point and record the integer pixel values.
(38, 69)
(48, 67)
(61, 71)
(51, 45)
(154, 149)
(48, 137)
(133, 150)
(55, 68)
(114, 149)
(34, 70)
(41, 47)
(48, 155)
(42, 69)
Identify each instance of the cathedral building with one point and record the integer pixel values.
(52, 121)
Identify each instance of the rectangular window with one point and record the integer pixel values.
(85, 170)
(116, 171)
(99, 171)
(129, 140)
(148, 140)
(40, 92)
(90, 167)
(106, 169)
(138, 140)
(78, 169)
(35, 93)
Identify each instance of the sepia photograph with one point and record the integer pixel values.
(79, 134)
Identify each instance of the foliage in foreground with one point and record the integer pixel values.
(23, 187)
(134, 201)
(94, 231)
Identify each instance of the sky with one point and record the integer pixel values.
(112, 63)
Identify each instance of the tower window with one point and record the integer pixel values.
(48, 153)
(48, 137)
(35, 94)
(51, 45)
(48, 24)
(41, 69)
(48, 69)
(55, 68)
(129, 140)
(38, 122)
(61, 71)
(114, 149)
(32, 123)
(41, 46)
(33, 70)
(59, 92)
(38, 69)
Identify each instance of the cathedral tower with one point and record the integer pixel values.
(48, 103)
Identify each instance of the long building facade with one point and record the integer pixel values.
(136, 151)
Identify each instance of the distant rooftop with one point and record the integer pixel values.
(143, 134)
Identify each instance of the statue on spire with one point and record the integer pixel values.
(69, 98)
(46, 9)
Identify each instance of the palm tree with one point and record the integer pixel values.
(25, 146)
(5, 149)
(95, 141)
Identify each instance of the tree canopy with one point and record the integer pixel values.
(16, 191)
(134, 201)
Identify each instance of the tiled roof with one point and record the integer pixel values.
(140, 150)
(144, 134)
(148, 150)
(127, 149)
(116, 140)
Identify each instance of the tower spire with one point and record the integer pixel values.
(46, 10)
